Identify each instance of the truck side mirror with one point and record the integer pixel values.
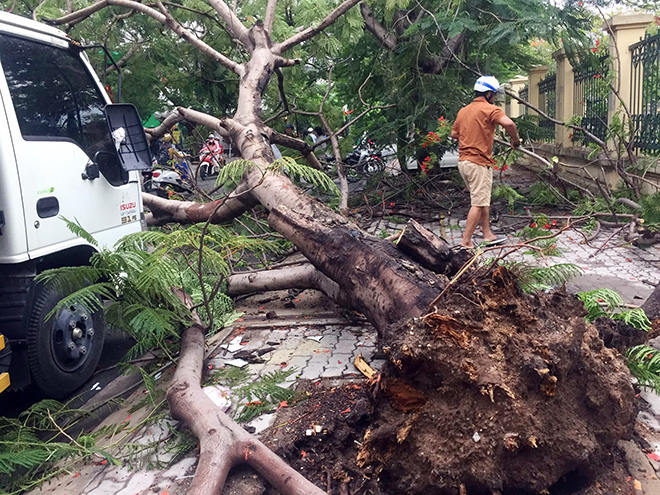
(91, 170)
(128, 136)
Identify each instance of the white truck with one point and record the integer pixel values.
(65, 151)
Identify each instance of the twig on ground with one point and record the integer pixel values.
(594, 254)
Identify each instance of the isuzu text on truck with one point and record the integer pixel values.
(65, 151)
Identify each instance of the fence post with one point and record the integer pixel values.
(513, 107)
(564, 94)
(535, 76)
(624, 30)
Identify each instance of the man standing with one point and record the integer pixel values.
(475, 128)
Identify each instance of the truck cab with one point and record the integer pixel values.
(59, 158)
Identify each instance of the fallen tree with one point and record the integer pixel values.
(499, 362)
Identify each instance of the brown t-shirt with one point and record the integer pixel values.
(475, 125)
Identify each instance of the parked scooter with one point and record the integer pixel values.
(365, 158)
(211, 159)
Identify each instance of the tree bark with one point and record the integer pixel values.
(302, 276)
(429, 250)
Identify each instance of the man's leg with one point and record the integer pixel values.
(474, 217)
(489, 235)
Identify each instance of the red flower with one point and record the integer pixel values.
(533, 225)
(505, 167)
(424, 145)
(547, 226)
(554, 223)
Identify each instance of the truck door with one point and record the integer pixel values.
(58, 126)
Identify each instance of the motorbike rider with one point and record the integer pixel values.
(211, 149)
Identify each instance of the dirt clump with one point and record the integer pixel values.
(496, 391)
(320, 436)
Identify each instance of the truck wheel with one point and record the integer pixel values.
(64, 350)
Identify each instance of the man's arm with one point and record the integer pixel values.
(511, 129)
(454, 130)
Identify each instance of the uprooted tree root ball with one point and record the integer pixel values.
(496, 391)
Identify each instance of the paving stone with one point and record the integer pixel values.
(314, 369)
(345, 346)
(329, 340)
(333, 370)
(298, 362)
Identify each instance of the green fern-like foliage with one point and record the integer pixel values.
(133, 283)
(600, 302)
(607, 303)
(254, 397)
(263, 395)
(233, 171)
(644, 364)
(29, 450)
(651, 208)
(508, 194)
(636, 318)
(317, 178)
(533, 278)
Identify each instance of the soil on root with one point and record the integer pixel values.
(497, 392)
(620, 336)
(320, 437)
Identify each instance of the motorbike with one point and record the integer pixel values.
(172, 176)
(211, 159)
(364, 159)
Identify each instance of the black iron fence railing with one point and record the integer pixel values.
(591, 93)
(524, 95)
(645, 94)
(548, 101)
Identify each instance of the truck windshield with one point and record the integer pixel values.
(56, 98)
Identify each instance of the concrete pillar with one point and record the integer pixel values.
(624, 30)
(513, 109)
(535, 75)
(564, 104)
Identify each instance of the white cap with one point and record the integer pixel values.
(487, 83)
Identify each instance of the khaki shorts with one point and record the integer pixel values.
(479, 181)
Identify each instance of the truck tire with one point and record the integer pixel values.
(64, 350)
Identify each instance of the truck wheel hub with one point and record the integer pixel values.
(71, 338)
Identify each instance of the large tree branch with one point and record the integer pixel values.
(372, 25)
(234, 26)
(187, 212)
(222, 443)
(437, 63)
(270, 15)
(312, 31)
(296, 144)
(122, 61)
(78, 15)
(155, 133)
(302, 276)
(222, 126)
(164, 17)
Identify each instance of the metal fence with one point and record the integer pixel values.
(645, 94)
(591, 97)
(548, 100)
(524, 95)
